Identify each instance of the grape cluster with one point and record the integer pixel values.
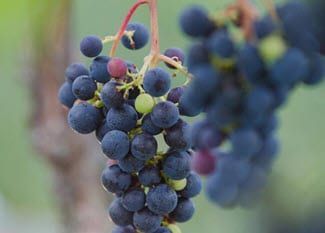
(128, 109)
(239, 84)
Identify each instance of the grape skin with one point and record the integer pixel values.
(115, 144)
(98, 69)
(115, 180)
(140, 36)
(165, 114)
(84, 118)
(66, 96)
(84, 87)
(123, 118)
(91, 46)
(195, 22)
(175, 53)
(146, 221)
(157, 82)
(119, 215)
(111, 96)
(161, 199)
(74, 71)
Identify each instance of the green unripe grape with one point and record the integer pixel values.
(144, 103)
(272, 48)
(174, 228)
(178, 185)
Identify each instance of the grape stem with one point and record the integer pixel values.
(155, 56)
(155, 45)
(248, 15)
(174, 63)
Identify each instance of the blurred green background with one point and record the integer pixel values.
(297, 186)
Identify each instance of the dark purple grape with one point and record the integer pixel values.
(175, 94)
(140, 36)
(176, 54)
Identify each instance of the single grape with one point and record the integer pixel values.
(221, 45)
(175, 94)
(184, 210)
(84, 87)
(298, 26)
(220, 192)
(165, 114)
(189, 105)
(204, 162)
(205, 136)
(161, 199)
(197, 55)
(195, 22)
(91, 46)
(156, 82)
(176, 54)
(66, 96)
(231, 169)
(140, 36)
(74, 71)
(178, 136)
(149, 176)
(250, 63)
(193, 186)
(272, 48)
(117, 67)
(115, 180)
(84, 118)
(264, 27)
(144, 103)
(111, 96)
(119, 215)
(131, 164)
(144, 146)
(146, 221)
(149, 127)
(177, 185)
(245, 142)
(102, 130)
(115, 144)
(177, 165)
(291, 68)
(123, 118)
(98, 69)
(134, 200)
(259, 101)
(206, 78)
